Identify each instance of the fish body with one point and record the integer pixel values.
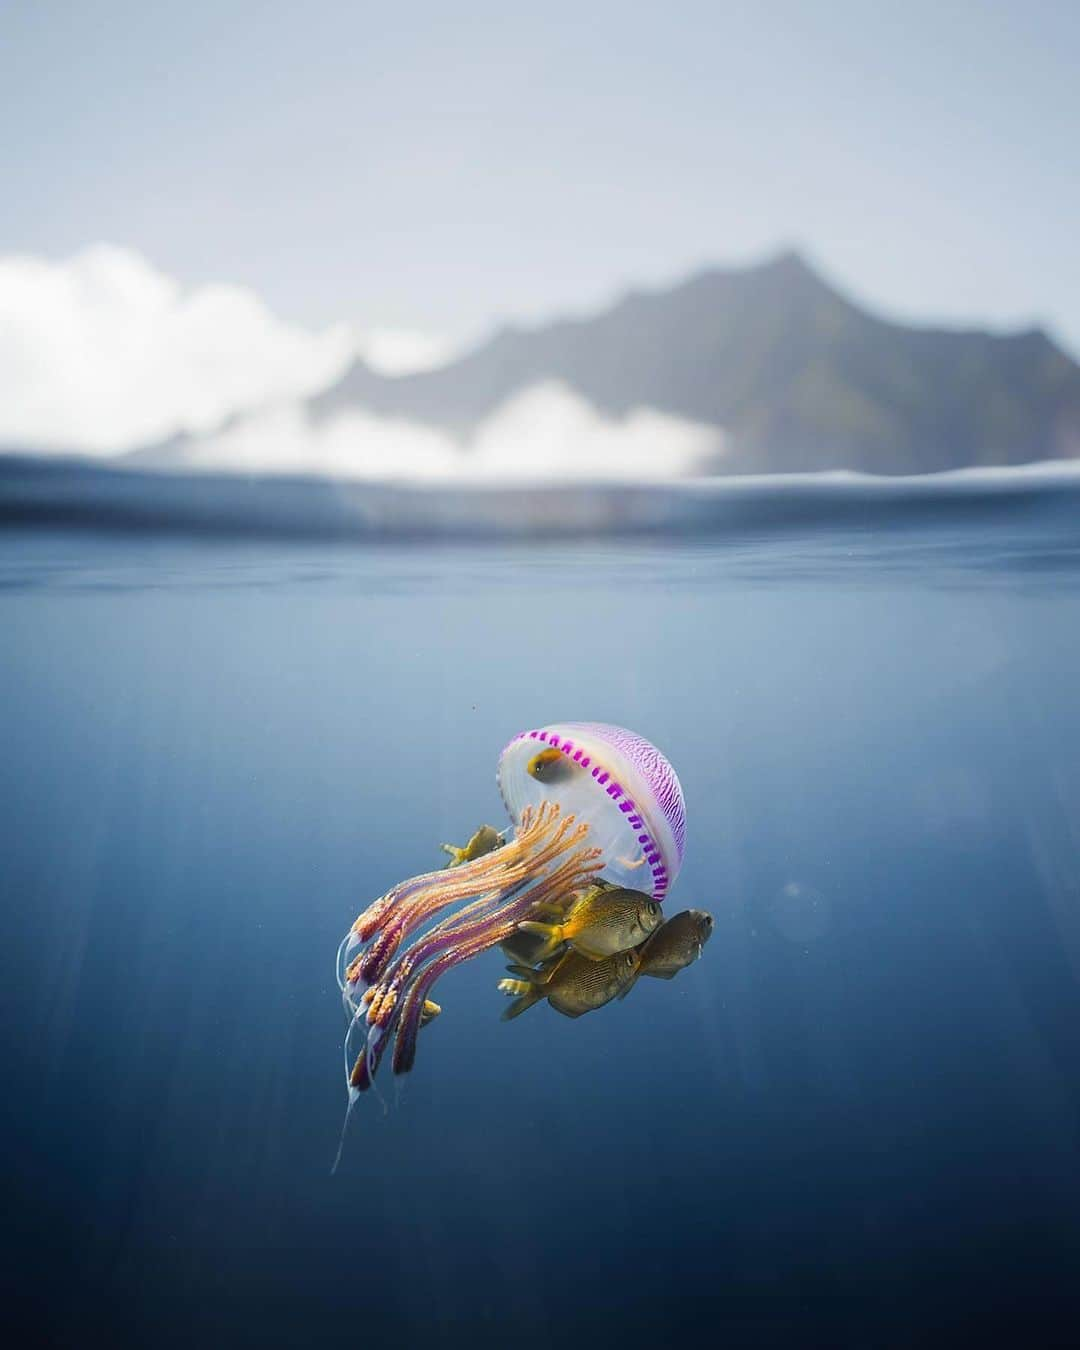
(552, 766)
(676, 944)
(602, 921)
(573, 985)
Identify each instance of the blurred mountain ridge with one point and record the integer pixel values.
(798, 377)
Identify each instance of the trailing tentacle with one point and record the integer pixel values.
(462, 944)
(476, 919)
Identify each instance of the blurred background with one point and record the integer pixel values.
(445, 243)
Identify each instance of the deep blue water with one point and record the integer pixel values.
(855, 1121)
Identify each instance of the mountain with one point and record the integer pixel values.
(798, 377)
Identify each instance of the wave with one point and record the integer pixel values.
(68, 493)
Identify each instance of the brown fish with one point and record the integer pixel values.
(676, 944)
(605, 920)
(573, 985)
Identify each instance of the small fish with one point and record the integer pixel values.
(600, 923)
(486, 840)
(552, 766)
(573, 985)
(676, 944)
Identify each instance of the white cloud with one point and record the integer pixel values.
(551, 432)
(545, 432)
(101, 353)
(398, 351)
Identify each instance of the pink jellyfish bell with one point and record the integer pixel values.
(585, 800)
(617, 781)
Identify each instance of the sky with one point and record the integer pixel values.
(209, 210)
(445, 168)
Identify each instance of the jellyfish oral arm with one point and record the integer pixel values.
(403, 989)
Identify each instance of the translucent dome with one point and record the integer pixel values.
(616, 781)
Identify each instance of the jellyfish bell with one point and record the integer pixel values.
(616, 780)
(587, 802)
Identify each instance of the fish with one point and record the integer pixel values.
(601, 922)
(552, 766)
(573, 985)
(676, 944)
(486, 840)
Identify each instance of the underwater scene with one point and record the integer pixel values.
(815, 770)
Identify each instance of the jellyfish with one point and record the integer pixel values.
(587, 802)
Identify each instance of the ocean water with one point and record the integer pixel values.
(856, 1120)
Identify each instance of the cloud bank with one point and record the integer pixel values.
(546, 432)
(102, 352)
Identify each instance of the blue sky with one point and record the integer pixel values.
(448, 167)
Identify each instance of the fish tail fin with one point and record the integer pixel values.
(431, 1011)
(457, 855)
(530, 995)
(552, 933)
